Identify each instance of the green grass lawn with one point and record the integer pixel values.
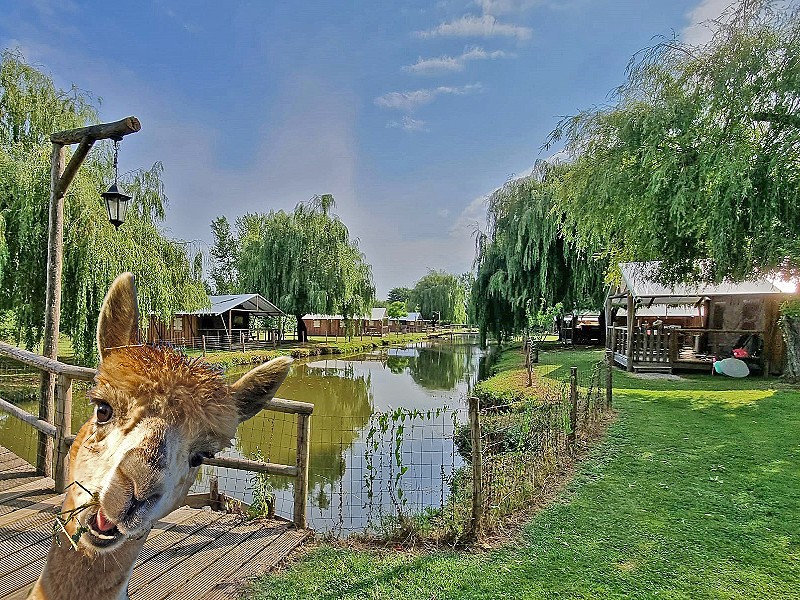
(695, 493)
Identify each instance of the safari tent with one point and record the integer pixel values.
(658, 328)
(229, 321)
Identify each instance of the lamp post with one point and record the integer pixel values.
(61, 175)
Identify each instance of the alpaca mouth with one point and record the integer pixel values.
(102, 532)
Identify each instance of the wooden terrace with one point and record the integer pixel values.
(190, 554)
(193, 553)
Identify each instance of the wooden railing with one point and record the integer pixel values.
(650, 344)
(54, 461)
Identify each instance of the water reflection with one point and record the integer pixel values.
(346, 393)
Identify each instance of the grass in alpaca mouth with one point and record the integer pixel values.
(64, 518)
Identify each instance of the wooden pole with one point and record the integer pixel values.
(60, 178)
(631, 310)
(573, 406)
(63, 423)
(52, 312)
(477, 467)
(609, 377)
(204, 344)
(301, 480)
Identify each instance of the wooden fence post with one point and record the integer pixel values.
(477, 467)
(301, 480)
(204, 345)
(241, 339)
(63, 423)
(573, 403)
(609, 376)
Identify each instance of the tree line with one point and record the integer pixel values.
(694, 162)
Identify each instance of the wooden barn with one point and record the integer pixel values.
(227, 323)
(657, 328)
(326, 325)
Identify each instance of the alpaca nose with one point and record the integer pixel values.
(144, 467)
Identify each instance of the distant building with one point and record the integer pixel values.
(226, 323)
(411, 323)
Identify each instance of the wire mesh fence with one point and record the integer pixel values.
(376, 471)
(364, 476)
(525, 443)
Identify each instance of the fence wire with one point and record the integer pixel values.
(524, 443)
(375, 472)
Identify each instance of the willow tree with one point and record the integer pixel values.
(529, 256)
(440, 293)
(31, 108)
(696, 161)
(305, 262)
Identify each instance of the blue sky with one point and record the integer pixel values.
(409, 113)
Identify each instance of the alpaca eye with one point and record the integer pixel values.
(103, 412)
(196, 459)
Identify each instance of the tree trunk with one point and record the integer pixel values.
(791, 335)
(302, 330)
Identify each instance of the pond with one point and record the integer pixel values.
(356, 474)
(381, 432)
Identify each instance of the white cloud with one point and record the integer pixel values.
(444, 64)
(408, 124)
(472, 218)
(485, 26)
(506, 7)
(408, 101)
(701, 26)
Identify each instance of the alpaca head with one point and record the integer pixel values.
(157, 415)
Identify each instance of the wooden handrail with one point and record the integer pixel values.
(47, 364)
(64, 438)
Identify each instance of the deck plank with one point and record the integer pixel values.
(197, 565)
(189, 553)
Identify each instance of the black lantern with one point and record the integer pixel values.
(116, 201)
(116, 205)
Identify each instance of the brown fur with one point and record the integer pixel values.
(166, 409)
(142, 381)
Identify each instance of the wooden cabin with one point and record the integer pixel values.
(657, 328)
(376, 323)
(411, 323)
(326, 325)
(229, 323)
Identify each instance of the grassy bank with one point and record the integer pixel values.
(695, 493)
(314, 347)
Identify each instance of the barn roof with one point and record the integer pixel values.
(253, 303)
(638, 278)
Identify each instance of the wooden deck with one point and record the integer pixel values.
(190, 554)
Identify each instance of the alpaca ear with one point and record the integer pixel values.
(257, 387)
(118, 324)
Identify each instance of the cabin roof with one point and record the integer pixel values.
(638, 278)
(252, 303)
(409, 318)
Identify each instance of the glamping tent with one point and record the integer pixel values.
(653, 327)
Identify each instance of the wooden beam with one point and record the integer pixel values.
(631, 310)
(103, 131)
(74, 164)
(46, 364)
(26, 417)
(252, 465)
(289, 406)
